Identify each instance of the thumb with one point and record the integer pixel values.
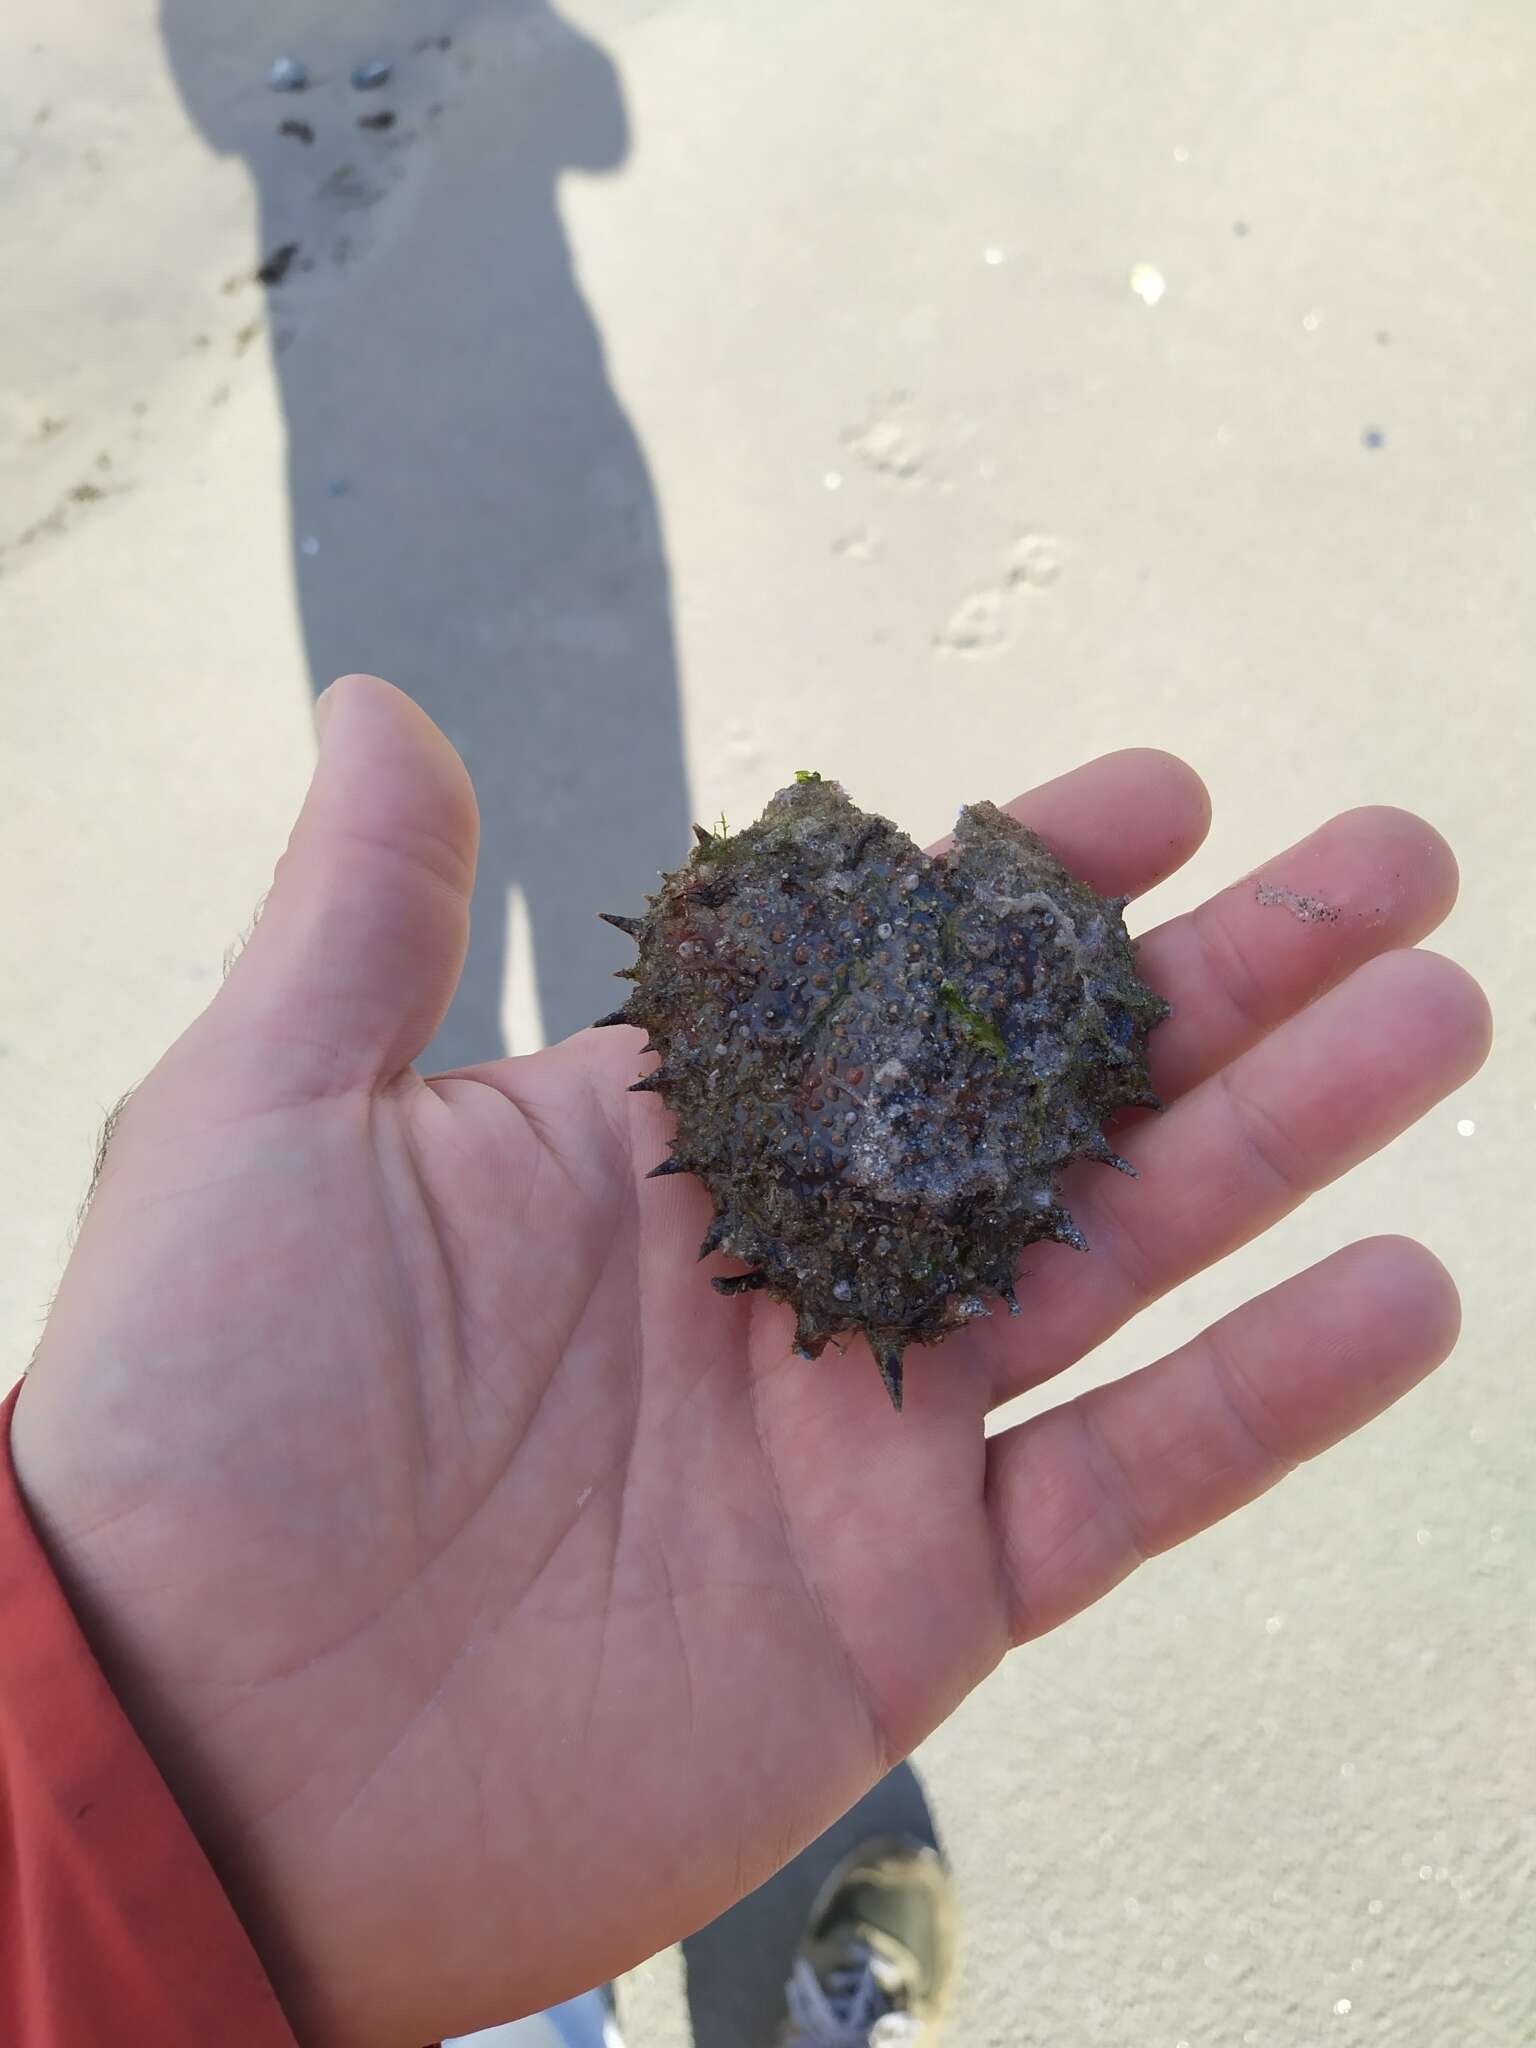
(362, 936)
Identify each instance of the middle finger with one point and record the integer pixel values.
(1241, 1150)
(1367, 882)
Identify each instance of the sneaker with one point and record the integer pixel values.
(876, 1956)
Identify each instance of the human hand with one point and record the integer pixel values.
(500, 1602)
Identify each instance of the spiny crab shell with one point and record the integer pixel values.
(881, 1062)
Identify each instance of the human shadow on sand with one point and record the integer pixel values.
(472, 514)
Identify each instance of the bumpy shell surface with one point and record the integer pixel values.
(880, 1063)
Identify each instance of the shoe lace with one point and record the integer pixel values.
(849, 2008)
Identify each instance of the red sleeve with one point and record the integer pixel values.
(113, 1926)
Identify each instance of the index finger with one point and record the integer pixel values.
(1121, 823)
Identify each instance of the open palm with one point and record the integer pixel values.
(499, 1601)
